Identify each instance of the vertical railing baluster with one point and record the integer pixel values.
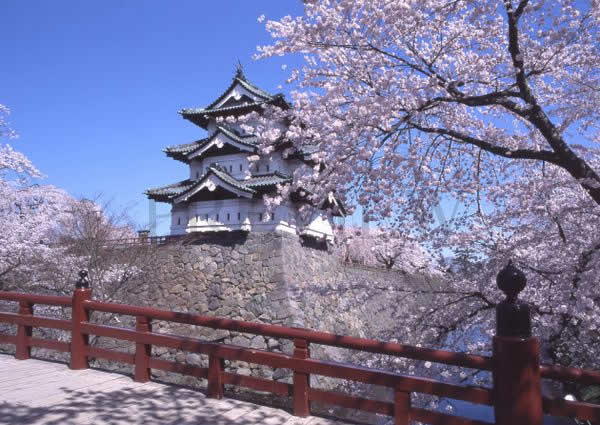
(401, 407)
(79, 316)
(216, 371)
(23, 350)
(301, 380)
(142, 351)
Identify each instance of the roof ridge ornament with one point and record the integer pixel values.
(239, 71)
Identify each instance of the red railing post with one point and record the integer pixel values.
(517, 392)
(516, 361)
(401, 407)
(79, 315)
(142, 351)
(301, 381)
(216, 381)
(23, 350)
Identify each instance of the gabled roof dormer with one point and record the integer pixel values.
(239, 98)
(219, 182)
(240, 89)
(222, 142)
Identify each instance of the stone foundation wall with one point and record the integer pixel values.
(236, 276)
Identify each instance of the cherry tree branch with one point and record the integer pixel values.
(548, 156)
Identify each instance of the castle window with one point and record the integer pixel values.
(257, 168)
(267, 168)
(178, 221)
(206, 217)
(260, 217)
(217, 217)
(197, 174)
(230, 168)
(240, 167)
(196, 218)
(239, 216)
(228, 217)
(273, 217)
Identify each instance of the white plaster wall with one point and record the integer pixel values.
(252, 209)
(179, 219)
(275, 162)
(234, 161)
(267, 164)
(320, 225)
(233, 214)
(244, 214)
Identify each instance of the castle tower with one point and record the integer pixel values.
(224, 190)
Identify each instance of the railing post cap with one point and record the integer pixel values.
(511, 281)
(513, 317)
(83, 282)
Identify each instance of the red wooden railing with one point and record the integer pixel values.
(521, 352)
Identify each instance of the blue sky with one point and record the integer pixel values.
(94, 87)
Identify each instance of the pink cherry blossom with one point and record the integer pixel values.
(48, 236)
(408, 104)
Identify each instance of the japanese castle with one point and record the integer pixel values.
(224, 189)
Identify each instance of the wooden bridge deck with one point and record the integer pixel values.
(40, 392)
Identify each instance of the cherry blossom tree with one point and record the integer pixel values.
(392, 248)
(383, 247)
(101, 240)
(349, 246)
(5, 130)
(48, 236)
(28, 213)
(495, 104)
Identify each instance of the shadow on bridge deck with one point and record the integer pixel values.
(39, 392)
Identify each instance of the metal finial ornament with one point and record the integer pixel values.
(511, 281)
(513, 317)
(83, 281)
(239, 71)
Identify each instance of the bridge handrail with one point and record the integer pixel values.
(36, 299)
(299, 362)
(473, 361)
(316, 337)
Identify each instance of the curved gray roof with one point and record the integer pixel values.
(199, 116)
(253, 185)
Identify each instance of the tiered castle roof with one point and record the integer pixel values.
(223, 141)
